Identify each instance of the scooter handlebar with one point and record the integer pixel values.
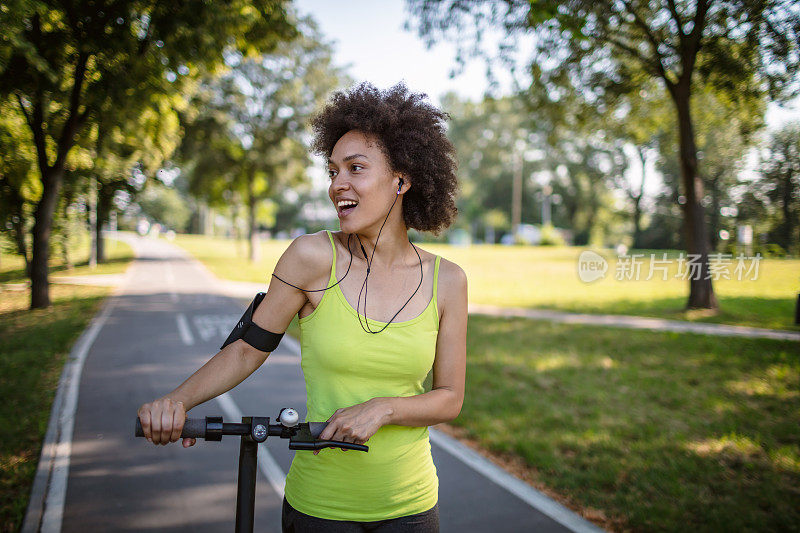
(305, 438)
(193, 428)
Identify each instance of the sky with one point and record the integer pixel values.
(369, 36)
(369, 39)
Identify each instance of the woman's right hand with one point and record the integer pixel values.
(162, 421)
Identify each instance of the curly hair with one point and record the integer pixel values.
(411, 133)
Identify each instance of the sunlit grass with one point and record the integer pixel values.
(33, 348)
(660, 431)
(118, 254)
(547, 277)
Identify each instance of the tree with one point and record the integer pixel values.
(143, 135)
(576, 159)
(491, 138)
(780, 169)
(164, 204)
(605, 48)
(637, 119)
(247, 134)
(61, 63)
(725, 133)
(18, 187)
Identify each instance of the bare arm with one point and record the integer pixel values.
(302, 262)
(219, 375)
(238, 360)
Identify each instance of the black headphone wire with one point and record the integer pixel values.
(366, 278)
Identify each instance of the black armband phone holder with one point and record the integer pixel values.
(249, 332)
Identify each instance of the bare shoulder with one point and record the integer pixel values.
(452, 284)
(307, 257)
(311, 246)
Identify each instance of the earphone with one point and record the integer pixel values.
(366, 278)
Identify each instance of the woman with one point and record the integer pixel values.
(391, 168)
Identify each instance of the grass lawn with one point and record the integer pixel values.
(546, 277)
(118, 255)
(33, 348)
(640, 430)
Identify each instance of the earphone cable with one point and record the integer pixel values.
(366, 278)
(365, 285)
(335, 284)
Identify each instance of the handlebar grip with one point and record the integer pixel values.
(193, 428)
(348, 445)
(322, 444)
(316, 428)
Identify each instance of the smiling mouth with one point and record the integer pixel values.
(346, 210)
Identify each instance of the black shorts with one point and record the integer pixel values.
(293, 521)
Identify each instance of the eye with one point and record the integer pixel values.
(356, 167)
(331, 174)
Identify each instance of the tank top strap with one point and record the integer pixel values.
(332, 277)
(436, 284)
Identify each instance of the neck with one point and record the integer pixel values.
(393, 244)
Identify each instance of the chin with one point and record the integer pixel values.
(352, 226)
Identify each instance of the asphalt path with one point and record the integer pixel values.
(168, 319)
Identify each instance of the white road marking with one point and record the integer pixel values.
(279, 359)
(266, 463)
(219, 327)
(480, 464)
(517, 487)
(214, 326)
(184, 330)
(45, 511)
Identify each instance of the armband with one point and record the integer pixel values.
(249, 332)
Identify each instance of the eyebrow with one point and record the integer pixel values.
(349, 157)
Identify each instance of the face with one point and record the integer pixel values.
(359, 171)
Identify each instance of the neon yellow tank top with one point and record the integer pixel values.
(343, 366)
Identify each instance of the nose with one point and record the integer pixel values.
(339, 183)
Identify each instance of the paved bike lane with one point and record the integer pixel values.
(170, 318)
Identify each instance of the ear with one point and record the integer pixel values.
(403, 184)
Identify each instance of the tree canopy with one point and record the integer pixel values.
(599, 50)
(70, 66)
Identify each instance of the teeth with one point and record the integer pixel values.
(346, 203)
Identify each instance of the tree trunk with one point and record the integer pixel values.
(40, 284)
(105, 195)
(52, 176)
(701, 292)
(590, 218)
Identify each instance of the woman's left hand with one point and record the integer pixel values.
(357, 423)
